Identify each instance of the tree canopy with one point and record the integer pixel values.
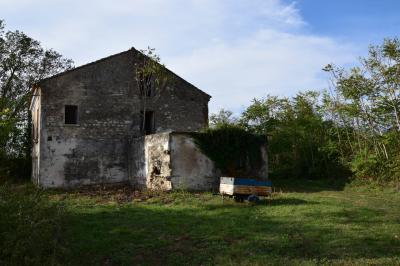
(351, 128)
(23, 62)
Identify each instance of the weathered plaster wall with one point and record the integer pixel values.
(150, 162)
(173, 161)
(109, 105)
(158, 159)
(36, 133)
(93, 151)
(137, 169)
(190, 168)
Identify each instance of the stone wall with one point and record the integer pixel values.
(109, 105)
(149, 164)
(170, 161)
(190, 168)
(137, 163)
(173, 161)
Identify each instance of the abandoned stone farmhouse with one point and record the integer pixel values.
(90, 127)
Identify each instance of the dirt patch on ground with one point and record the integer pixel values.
(120, 193)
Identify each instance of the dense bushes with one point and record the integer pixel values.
(30, 226)
(301, 143)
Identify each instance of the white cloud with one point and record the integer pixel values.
(233, 49)
(269, 62)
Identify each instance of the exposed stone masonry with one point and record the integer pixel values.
(95, 150)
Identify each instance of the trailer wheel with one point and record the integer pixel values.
(253, 198)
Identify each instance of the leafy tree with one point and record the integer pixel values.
(300, 140)
(263, 114)
(23, 62)
(222, 118)
(366, 100)
(150, 75)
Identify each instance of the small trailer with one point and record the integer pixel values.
(244, 188)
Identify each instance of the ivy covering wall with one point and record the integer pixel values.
(235, 151)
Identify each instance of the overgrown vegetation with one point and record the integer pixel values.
(301, 142)
(30, 227)
(310, 222)
(235, 151)
(351, 129)
(364, 106)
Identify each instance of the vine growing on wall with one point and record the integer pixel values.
(235, 151)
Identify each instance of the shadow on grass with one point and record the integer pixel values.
(230, 204)
(361, 216)
(309, 185)
(158, 235)
(287, 201)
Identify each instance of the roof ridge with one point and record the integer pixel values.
(85, 65)
(132, 49)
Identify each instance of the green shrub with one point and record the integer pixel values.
(30, 227)
(15, 169)
(367, 166)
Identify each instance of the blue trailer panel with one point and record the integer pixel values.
(244, 186)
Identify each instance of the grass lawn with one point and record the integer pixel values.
(307, 224)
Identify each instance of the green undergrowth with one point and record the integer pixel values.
(317, 224)
(30, 227)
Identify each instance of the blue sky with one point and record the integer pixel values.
(235, 50)
(358, 21)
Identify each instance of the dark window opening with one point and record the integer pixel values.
(148, 124)
(71, 114)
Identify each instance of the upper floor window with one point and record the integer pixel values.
(71, 114)
(147, 122)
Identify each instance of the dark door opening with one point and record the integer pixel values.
(148, 125)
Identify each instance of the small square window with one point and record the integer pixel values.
(71, 114)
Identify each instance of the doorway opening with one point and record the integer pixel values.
(148, 125)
